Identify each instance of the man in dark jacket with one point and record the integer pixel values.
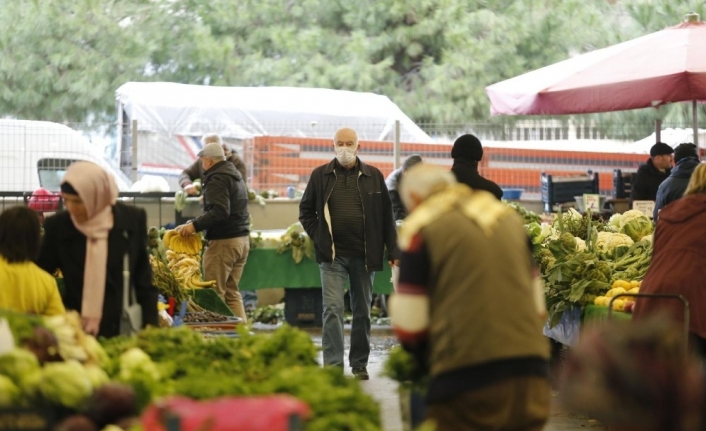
(651, 174)
(467, 152)
(686, 157)
(399, 212)
(346, 211)
(227, 224)
(196, 170)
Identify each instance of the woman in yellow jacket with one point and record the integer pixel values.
(24, 287)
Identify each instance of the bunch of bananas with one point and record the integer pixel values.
(184, 259)
(182, 244)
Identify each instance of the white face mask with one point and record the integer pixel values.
(345, 155)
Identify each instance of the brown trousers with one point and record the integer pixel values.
(223, 261)
(516, 404)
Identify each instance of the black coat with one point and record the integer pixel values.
(380, 229)
(64, 248)
(225, 203)
(647, 181)
(467, 173)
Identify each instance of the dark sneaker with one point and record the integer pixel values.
(361, 373)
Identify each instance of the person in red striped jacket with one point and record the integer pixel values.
(466, 306)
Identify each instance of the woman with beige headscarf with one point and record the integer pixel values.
(88, 243)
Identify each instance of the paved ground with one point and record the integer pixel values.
(384, 390)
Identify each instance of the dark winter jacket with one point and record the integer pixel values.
(195, 171)
(647, 181)
(64, 248)
(674, 186)
(678, 264)
(380, 230)
(466, 172)
(225, 203)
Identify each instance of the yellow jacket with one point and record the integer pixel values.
(26, 288)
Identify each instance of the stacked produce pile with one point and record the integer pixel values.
(621, 303)
(177, 361)
(580, 258)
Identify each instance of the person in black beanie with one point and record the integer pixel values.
(467, 152)
(686, 157)
(651, 174)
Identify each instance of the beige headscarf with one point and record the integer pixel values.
(98, 191)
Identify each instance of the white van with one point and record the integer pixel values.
(35, 154)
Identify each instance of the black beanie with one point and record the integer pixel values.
(685, 150)
(660, 148)
(68, 189)
(467, 147)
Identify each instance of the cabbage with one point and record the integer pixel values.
(65, 383)
(9, 392)
(635, 224)
(538, 233)
(96, 375)
(18, 363)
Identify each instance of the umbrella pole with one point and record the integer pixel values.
(695, 121)
(658, 130)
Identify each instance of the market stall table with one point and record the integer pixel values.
(266, 268)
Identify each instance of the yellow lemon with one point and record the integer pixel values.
(634, 290)
(618, 305)
(634, 283)
(598, 300)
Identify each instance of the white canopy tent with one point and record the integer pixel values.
(244, 112)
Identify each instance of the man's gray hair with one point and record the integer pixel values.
(424, 179)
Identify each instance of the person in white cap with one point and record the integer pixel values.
(227, 224)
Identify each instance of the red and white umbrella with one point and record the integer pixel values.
(663, 67)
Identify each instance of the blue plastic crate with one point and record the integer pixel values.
(512, 193)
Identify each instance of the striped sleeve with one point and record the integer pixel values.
(409, 306)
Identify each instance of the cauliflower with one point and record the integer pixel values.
(614, 221)
(580, 244)
(612, 245)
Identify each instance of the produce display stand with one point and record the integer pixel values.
(568, 330)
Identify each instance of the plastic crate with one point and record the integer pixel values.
(557, 190)
(304, 307)
(622, 183)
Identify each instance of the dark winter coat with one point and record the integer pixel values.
(674, 186)
(647, 181)
(380, 229)
(678, 264)
(64, 248)
(466, 172)
(225, 203)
